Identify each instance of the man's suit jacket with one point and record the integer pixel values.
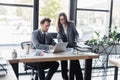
(37, 40)
(71, 35)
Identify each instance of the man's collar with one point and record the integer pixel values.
(43, 32)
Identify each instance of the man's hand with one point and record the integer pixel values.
(51, 47)
(42, 53)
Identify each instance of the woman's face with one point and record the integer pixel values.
(62, 20)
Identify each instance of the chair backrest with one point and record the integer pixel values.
(26, 45)
(54, 35)
(23, 44)
(3, 65)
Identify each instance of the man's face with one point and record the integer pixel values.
(45, 26)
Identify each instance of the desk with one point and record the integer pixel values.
(55, 57)
(115, 62)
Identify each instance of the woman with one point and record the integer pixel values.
(68, 33)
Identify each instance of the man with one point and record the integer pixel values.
(42, 40)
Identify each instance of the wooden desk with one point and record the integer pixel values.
(55, 57)
(115, 62)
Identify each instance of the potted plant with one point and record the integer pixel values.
(102, 43)
(14, 53)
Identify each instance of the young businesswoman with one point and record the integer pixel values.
(68, 33)
(41, 39)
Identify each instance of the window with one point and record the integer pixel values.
(16, 18)
(92, 21)
(116, 13)
(93, 4)
(15, 23)
(27, 2)
(51, 9)
(93, 16)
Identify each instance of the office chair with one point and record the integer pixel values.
(3, 65)
(3, 68)
(27, 66)
(54, 35)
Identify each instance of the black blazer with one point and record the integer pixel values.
(37, 40)
(71, 35)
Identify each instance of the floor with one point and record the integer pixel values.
(97, 74)
(9, 75)
(57, 76)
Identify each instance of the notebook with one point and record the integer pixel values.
(60, 47)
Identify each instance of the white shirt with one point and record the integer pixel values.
(65, 29)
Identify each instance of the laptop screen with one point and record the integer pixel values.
(59, 47)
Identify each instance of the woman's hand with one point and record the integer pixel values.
(42, 53)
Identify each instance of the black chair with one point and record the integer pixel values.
(3, 65)
(3, 68)
(27, 66)
(54, 35)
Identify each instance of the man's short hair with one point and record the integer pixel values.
(45, 19)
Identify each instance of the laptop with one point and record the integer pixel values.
(60, 47)
(87, 35)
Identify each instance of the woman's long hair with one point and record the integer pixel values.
(58, 23)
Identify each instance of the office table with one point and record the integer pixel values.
(88, 56)
(115, 62)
